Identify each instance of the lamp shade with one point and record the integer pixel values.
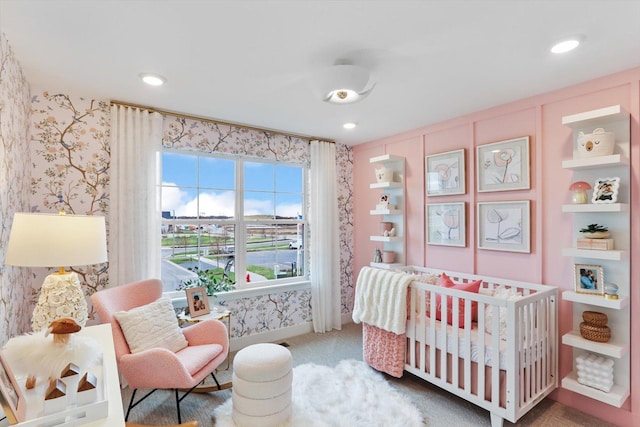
(53, 240)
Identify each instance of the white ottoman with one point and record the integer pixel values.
(262, 379)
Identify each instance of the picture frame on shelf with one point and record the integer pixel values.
(504, 226)
(446, 224)
(605, 190)
(198, 301)
(503, 166)
(445, 173)
(11, 398)
(588, 279)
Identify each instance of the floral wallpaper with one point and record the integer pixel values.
(15, 177)
(55, 153)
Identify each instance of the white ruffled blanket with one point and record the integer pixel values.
(381, 299)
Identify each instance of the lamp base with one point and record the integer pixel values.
(61, 296)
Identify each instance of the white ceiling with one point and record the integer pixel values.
(252, 62)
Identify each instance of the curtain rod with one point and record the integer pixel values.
(220, 122)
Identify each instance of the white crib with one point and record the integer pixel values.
(507, 376)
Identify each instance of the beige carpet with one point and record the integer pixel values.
(438, 407)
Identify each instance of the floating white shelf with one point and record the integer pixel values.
(385, 158)
(611, 349)
(385, 238)
(386, 185)
(616, 397)
(596, 207)
(385, 212)
(598, 300)
(599, 117)
(595, 162)
(596, 254)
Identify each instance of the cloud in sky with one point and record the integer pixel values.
(218, 204)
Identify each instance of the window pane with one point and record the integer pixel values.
(289, 179)
(258, 176)
(217, 173)
(288, 205)
(219, 204)
(273, 252)
(258, 205)
(179, 202)
(207, 247)
(179, 169)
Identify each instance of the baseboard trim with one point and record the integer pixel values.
(270, 336)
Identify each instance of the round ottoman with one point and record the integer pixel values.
(262, 379)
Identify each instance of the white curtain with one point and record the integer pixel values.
(134, 211)
(324, 257)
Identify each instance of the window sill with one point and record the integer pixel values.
(248, 292)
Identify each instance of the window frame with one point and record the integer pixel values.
(239, 221)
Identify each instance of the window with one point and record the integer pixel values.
(242, 220)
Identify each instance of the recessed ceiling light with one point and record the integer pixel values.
(566, 45)
(152, 79)
(349, 125)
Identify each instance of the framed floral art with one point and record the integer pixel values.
(446, 224)
(504, 165)
(445, 173)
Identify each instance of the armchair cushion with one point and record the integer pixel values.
(151, 326)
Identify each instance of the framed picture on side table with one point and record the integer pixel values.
(11, 399)
(589, 279)
(198, 301)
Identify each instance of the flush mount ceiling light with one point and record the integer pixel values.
(349, 125)
(566, 45)
(345, 83)
(152, 79)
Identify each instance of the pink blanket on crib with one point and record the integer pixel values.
(384, 351)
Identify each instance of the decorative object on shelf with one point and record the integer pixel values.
(445, 173)
(588, 279)
(580, 189)
(595, 318)
(48, 240)
(377, 256)
(385, 227)
(384, 202)
(598, 143)
(605, 190)
(595, 244)
(389, 233)
(12, 401)
(198, 301)
(384, 174)
(610, 291)
(595, 231)
(446, 224)
(504, 165)
(388, 257)
(504, 226)
(55, 398)
(595, 371)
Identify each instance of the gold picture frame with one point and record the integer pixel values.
(588, 279)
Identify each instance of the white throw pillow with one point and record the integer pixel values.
(504, 293)
(151, 326)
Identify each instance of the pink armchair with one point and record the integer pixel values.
(159, 368)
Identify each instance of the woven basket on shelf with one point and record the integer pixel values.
(595, 318)
(595, 333)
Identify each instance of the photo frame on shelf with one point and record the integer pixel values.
(605, 190)
(198, 301)
(11, 398)
(588, 279)
(504, 226)
(446, 224)
(445, 173)
(504, 165)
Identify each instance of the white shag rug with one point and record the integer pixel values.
(350, 395)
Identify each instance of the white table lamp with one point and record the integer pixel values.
(57, 240)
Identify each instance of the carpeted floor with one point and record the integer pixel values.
(438, 407)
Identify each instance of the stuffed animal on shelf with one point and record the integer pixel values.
(45, 354)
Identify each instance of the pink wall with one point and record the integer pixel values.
(551, 230)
